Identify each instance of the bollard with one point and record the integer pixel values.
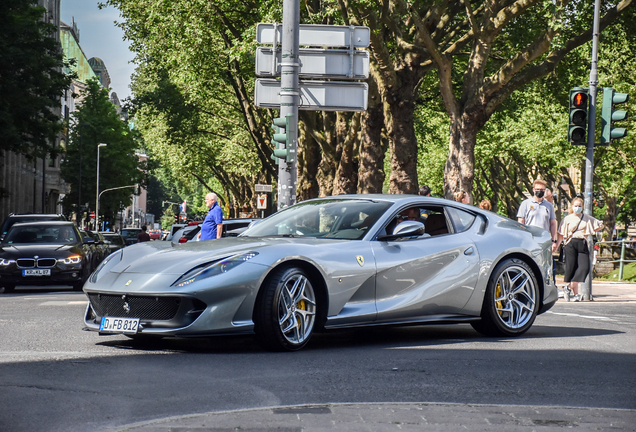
(620, 268)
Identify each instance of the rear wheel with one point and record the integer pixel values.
(511, 302)
(285, 313)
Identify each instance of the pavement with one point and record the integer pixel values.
(608, 292)
(381, 417)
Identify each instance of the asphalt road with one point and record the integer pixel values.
(56, 377)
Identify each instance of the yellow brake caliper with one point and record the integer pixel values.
(499, 303)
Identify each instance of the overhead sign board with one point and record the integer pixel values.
(316, 95)
(262, 188)
(316, 63)
(317, 35)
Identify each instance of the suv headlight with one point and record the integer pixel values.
(214, 269)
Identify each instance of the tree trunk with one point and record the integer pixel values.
(400, 105)
(459, 170)
(308, 158)
(372, 150)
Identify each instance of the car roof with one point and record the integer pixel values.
(45, 223)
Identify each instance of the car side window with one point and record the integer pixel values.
(461, 219)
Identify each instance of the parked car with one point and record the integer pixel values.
(173, 229)
(154, 234)
(130, 235)
(27, 217)
(231, 228)
(113, 240)
(97, 252)
(44, 253)
(334, 262)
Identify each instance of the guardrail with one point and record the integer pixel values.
(622, 260)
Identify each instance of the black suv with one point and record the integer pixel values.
(27, 217)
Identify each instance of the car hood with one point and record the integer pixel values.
(168, 258)
(43, 250)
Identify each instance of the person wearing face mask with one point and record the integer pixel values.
(573, 233)
(536, 211)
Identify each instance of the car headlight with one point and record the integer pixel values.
(73, 259)
(214, 269)
(107, 263)
(5, 262)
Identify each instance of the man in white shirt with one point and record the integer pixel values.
(537, 211)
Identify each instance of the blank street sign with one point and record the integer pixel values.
(316, 95)
(317, 63)
(317, 35)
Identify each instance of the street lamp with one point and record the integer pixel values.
(97, 190)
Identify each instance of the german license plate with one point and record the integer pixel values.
(119, 325)
(36, 272)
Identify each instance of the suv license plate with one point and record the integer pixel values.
(36, 272)
(119, 325)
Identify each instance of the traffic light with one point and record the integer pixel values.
(577, 131)
(609, 115)
(176, 218)
(281, 137)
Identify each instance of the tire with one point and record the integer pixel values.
(9, 288)
(285, 312)
(511, 302)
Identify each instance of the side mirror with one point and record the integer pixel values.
(405, 229)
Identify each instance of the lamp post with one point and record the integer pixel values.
(97, 190)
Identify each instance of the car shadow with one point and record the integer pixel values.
(382, 337)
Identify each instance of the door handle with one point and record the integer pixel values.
(469, 251)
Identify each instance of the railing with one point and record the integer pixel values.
(622, 260)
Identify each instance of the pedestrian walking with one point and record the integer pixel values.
(573, 234)
(212, 226)
(485, 204)
(536, 211)
(462, 197)
(143, 236)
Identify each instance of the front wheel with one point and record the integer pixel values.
(511, 302)
(285, 312)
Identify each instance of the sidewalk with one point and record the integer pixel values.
(603, 291)
(380, 417)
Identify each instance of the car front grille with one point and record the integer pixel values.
(145, 308)
(32, 263)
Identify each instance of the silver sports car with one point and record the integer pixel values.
(342, 261)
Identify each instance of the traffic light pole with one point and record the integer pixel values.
(289, 100)
(586, 287)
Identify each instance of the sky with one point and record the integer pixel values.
(99, 37)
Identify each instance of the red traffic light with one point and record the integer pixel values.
(579, 100)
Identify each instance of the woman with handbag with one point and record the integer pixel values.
(573, 233)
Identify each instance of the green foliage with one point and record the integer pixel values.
(96, 121)
(31, 81)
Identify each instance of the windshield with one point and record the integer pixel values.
(41, 234)
(335, 219)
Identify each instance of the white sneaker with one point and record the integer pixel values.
(576, 298)
(566, 294)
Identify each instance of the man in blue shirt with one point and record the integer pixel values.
(212, 226)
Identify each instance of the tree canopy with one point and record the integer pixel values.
(31, 80)
(96, 121)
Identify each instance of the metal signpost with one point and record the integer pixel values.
(289, 94)
(586, 287)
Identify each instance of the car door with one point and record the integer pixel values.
(432, 274)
